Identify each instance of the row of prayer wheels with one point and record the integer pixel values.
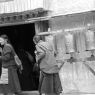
(70, 41)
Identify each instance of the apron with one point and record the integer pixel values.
(4, 76)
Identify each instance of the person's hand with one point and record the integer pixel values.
(60, 63)
(20, 67)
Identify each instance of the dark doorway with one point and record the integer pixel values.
(21, 37)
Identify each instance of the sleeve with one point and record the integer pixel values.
(6, 53)
(39, 53)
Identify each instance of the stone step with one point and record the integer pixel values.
(72, 93)
(26, 93)
(30, 93)
(37, 93)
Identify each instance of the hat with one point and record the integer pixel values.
(4, 36)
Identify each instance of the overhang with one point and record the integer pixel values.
(8, 19)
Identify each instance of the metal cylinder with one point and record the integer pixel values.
(90, 40)
(69, 42)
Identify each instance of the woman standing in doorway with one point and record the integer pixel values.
(8, 62)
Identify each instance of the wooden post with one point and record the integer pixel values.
(37, 30)
(41, 26)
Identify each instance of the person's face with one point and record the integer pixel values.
(3, 42)
(37, 39)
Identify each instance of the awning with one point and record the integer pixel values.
(8, 19)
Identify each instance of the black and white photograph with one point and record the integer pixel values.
(47, 47)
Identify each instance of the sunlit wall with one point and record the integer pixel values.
(69, 6)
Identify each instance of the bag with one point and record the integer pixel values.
(16, 58)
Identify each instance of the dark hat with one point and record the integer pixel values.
(4, 36)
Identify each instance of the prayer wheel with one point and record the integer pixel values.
(69, 42)
(90, 40)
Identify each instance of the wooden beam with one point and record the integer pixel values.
(32, 20)
(49, 33)
(37, 19)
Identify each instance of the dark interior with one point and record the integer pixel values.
(21, 37)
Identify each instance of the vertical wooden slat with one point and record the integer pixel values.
(3, 7)
(37, 29)
(25, 5)
(28, 4)
(8, 7)
(0, 8)
(31, 6)
(22, 5)
(12, 9)
(17, 5)
(47, 4)
(14, 6)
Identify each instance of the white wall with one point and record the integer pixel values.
(57, 6)
(70, 6)
(20, 5)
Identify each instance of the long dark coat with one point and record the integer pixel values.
(8, 62)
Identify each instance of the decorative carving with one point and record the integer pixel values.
(22, 16)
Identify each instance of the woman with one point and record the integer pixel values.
(49, 78)
(8, 62)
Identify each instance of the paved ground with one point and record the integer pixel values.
(30, 93)
(37, 93)
(27, 93)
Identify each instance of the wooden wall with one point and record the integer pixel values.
(20, 5)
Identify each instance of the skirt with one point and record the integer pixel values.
(50, 83)
(13, 85)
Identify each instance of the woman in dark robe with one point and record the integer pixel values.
(8, 62)
(26, 77)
